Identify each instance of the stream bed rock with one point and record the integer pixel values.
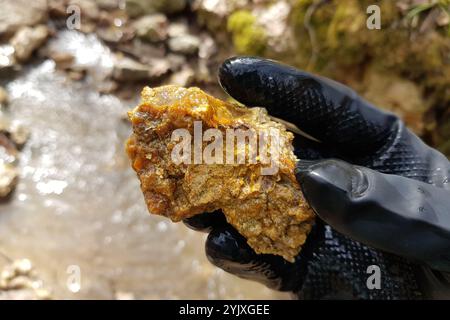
(28, 39)
(15, 14)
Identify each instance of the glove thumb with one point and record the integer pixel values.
(388, 212)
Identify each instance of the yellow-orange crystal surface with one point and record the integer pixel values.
(268, 210)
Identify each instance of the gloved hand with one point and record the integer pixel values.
(381, 185)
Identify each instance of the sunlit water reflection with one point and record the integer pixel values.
(78, 203)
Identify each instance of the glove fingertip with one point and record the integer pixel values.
(233, 72)
(225, 245)
(206, 222)
(228, 250)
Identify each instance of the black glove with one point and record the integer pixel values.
(400, 205)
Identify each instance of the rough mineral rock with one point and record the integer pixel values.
(268, 210)
(152, 28)
(185, 44)
(28, 39)
(18, 13)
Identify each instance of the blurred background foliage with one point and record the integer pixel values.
(403, 67)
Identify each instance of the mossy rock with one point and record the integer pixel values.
(346, 50)
(248, 37)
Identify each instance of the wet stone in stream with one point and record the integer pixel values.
(76, 186)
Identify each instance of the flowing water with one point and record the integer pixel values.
(78, 205)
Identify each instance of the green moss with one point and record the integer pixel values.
(248, 37)
(343, 48)
(344, 43)
(336, 27)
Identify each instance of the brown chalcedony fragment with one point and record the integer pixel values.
(268, 210)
